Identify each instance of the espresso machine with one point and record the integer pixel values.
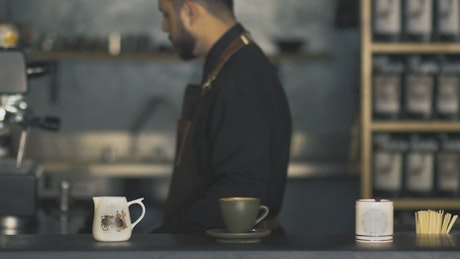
(18, 176)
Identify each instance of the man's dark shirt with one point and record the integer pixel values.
(242, 138)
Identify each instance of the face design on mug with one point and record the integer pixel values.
(114, 221)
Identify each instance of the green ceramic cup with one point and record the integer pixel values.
(240, 213)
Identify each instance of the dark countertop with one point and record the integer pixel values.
(405, 245)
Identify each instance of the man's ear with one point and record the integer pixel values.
(190, 11)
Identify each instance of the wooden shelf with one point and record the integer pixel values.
(418, 203)
(408, 126)
(369, 126)
(102, 56)
(157, 56)
(416, 48)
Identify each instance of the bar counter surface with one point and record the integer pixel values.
(405, 245)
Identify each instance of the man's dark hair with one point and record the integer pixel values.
(220, 8)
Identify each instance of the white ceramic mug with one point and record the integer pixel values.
(374, 220)
(112, 221)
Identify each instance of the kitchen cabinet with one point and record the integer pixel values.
(370, 125)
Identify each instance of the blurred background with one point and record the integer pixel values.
(117, 87)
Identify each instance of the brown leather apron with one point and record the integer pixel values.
(186, 184)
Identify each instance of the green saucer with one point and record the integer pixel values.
(254, 236)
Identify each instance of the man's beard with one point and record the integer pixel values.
(185, 43)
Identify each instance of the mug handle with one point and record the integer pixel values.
(264, 214)
(139, 202)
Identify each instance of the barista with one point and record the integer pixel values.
(234, 134)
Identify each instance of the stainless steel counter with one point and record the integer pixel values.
(405, 245)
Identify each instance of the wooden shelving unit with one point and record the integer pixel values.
(408, 126)
(408, 48)
(370, 126)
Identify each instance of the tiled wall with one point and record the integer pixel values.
(102, 96)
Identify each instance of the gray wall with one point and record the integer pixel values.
(104, 96)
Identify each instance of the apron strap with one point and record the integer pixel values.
(232, 48)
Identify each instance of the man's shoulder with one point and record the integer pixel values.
(248, 72)
(252, 52)
(250, 59)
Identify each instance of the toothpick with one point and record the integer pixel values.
(445, 223)
(434, 222)
(452, 223)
